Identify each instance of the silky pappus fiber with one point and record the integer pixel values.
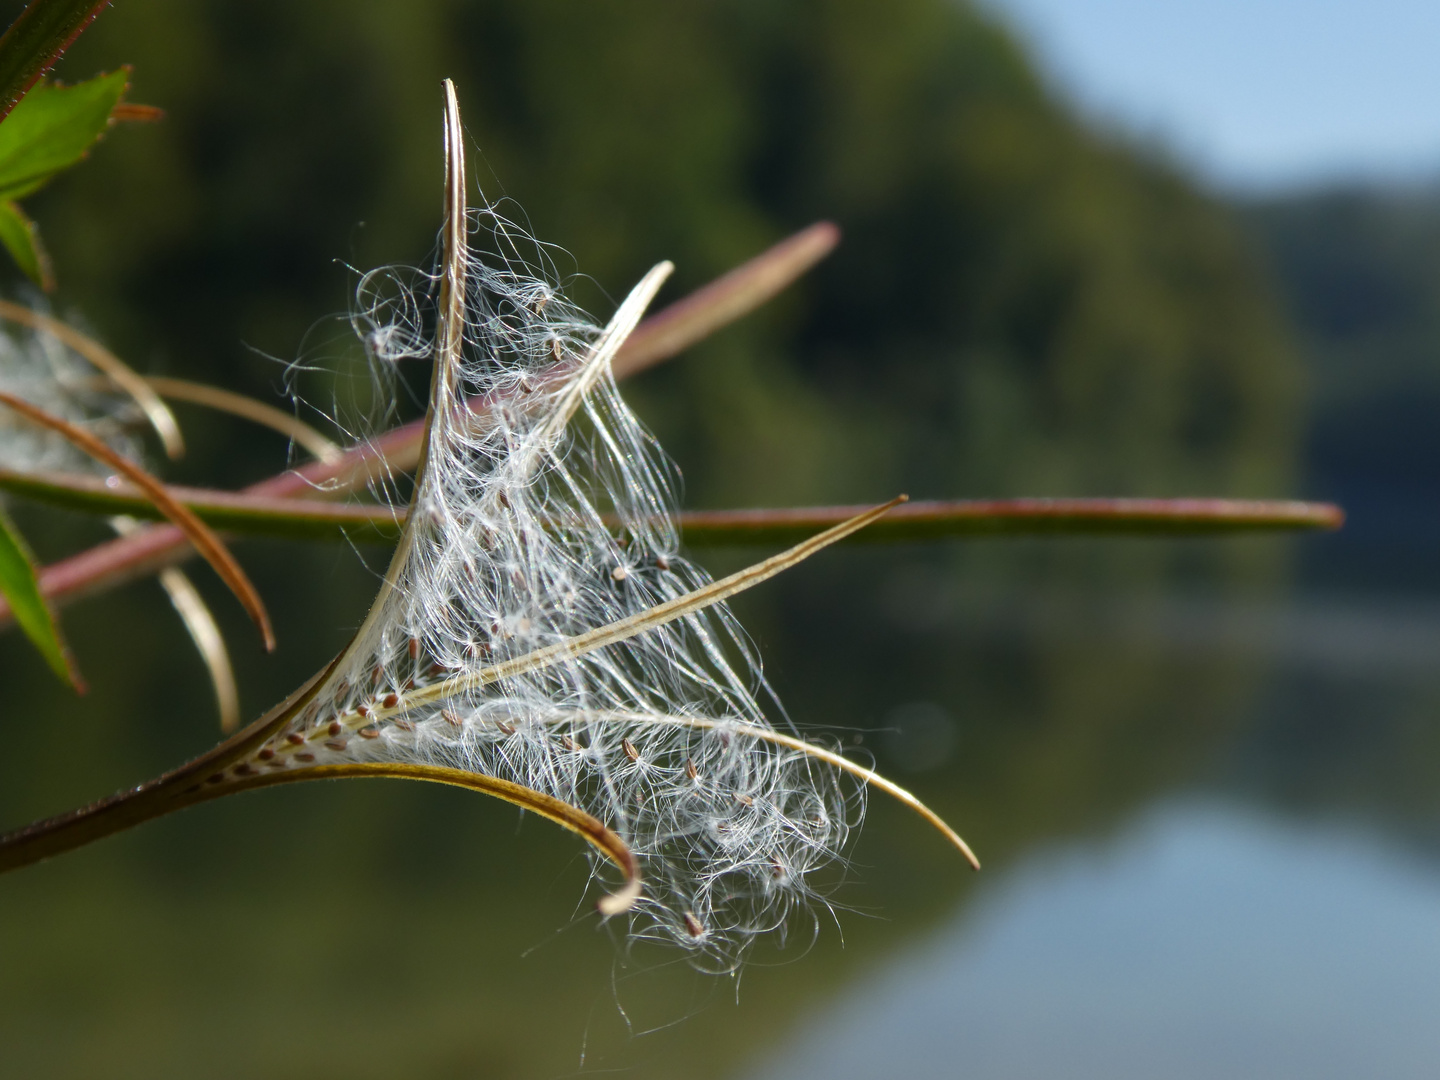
(538, 635)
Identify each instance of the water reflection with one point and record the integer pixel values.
(1205, 940)
(1025, 309)
(1209, 829)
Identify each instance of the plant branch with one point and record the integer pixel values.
(398, 450)
(114, 369)
(313, 519)
(247, 408)
(35, 40)
(192, 529)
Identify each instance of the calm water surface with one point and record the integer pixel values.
(1205, 940)
(1210, 820)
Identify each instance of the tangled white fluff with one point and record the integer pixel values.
(543, 511)
(39, 368)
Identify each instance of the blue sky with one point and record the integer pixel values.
(1255, 93)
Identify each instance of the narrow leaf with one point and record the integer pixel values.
(215, 774)
(585, 825)
(791, 742)
(19, 585)
(688, 604)
(35, 41)
(206, 542)
(209, 643)
(725, 299)
(204, 632)
(22, 240)
(663, 335)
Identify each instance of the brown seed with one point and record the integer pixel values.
(414, 648)
(744, 800)
(362, 710)
(570, 744)
(369, 733)
(278, 763)
(266, 754)
(214, 779)
(295, 739)
(451, 718)
(405, 725)
(662, 562)
(690, 770)
(305, 757)
(390, 701)
(630, 751)
(693, 925)
(508, 729)
(243, 769)
(778, 870)
(436, 669)
(335, 727)
(335, 744)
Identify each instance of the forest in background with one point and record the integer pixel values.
(1022, 304)
(1359, 271)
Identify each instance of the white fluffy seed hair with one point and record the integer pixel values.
(544, 510)
(41, 370)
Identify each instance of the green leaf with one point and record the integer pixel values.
(22, 241)
(22, 590)
(52, 128)
(35, 41)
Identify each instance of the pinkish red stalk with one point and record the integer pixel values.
(1032, 516)
(659, 337)
(725, 299)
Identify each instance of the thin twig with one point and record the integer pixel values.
(397, 450)
(195, 531)
(248, 408)
(925, 520)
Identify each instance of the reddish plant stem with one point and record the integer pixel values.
(1028, 516)
(35, 40)
(659, 337)
(243, 513)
